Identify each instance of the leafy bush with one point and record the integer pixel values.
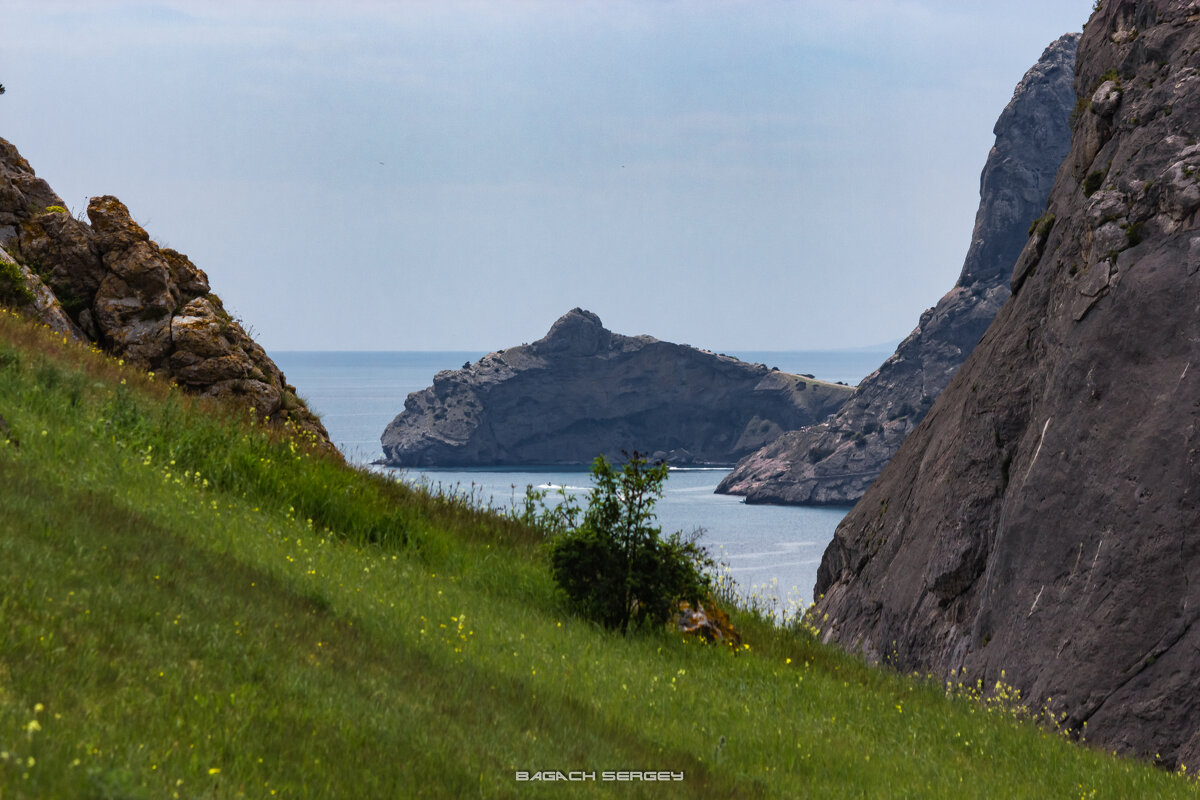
(1135, 232)
(1082, 104)
(616, 567)
(818, 453)
(1093, 182)
(14, 288)
(1042, 225)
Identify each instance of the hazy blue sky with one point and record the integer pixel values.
(456, 175)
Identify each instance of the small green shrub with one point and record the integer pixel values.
(1082, 104)
(55, 210)
(14, 288)
(1042, 225)
(1093, 182)
(818, 453)
(1135, 232)
(1041, 228)
(616, 567)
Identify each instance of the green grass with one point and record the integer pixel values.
(196, 607)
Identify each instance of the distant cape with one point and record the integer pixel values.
(582, 391)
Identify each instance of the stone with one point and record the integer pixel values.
(1106, 99)
(834, 461)
(1044, 519)
(708, 623)
(583, 391)
(6, 434)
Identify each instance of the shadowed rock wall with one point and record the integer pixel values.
(1044, 519)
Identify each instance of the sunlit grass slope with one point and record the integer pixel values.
(192, 607)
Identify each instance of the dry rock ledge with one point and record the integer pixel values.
(834, 461)
(1044, 518)
(583, 391)
(108, 283)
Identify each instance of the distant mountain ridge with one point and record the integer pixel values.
(834, 461)
(582, 391)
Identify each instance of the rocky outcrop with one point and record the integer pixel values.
(108, 283)
(1044, 519)
(833, 463)
(582, 391)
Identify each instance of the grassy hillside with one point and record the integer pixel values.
(192, 607)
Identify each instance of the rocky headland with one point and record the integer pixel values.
(1041, 526)
(834, 461)
(583, 391)
(106, 282)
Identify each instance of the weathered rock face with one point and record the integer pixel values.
(582, 391)
(107, 282)
(21, 288)
(1044, 519)
(833, 463)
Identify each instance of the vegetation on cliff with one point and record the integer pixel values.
(196, 606)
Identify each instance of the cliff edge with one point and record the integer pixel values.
(582, 391)
(833, 462)
(1044, 518)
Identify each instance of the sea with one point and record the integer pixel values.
(770, 551)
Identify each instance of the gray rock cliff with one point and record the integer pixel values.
(1044, 518)
(108, 283)
(833, 462)
(582, 391)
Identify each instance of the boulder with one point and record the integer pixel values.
(710, 624)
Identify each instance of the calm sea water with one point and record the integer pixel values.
(772, 549)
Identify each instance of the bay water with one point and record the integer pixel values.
(773, 551)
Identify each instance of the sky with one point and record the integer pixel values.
(456, 175)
